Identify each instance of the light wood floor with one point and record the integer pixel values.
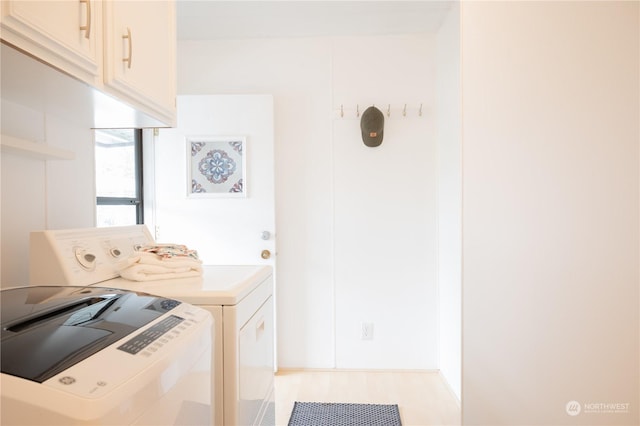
(422, 397)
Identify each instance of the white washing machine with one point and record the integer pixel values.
(239, 297)
(101, 356)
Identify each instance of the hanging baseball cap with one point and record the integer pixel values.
(372, 126)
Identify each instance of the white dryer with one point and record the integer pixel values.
(240, 298)
(102, 356)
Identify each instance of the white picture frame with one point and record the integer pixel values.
(216, 166)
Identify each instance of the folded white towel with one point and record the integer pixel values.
(148, 266)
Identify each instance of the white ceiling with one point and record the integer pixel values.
(212, 19)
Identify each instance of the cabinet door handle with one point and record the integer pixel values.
(87, 27)
(260, 328)
(128, 59)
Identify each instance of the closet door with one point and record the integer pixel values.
(226, 229)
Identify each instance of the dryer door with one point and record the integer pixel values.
(255, 363)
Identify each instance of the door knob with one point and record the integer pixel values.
(265, 254)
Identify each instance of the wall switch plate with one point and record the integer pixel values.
(366, 330)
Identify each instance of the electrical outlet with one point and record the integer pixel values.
(366, 330)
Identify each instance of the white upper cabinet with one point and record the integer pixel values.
(66, 34)
(126, 49)
(140, 46)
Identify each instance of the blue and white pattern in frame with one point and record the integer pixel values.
(217, 167)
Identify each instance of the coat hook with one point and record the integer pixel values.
(404, 110)
(341, 110)
(388, 110)
(357, 110)
(420, 112)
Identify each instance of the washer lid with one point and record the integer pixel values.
(46, 330)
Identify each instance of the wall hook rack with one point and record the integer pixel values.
(403, 110)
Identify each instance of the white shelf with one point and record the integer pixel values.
(34, 149)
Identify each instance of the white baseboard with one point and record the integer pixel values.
(347, 370)
(450, 389)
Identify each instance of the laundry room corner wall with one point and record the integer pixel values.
(449, 200)
(41, 191)
(551, 241)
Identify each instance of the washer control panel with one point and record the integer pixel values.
(143, 340)
(158, 347)
(82, 256)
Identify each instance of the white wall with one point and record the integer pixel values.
(384, 205)
(338, 221)
(42, 193)
(449, 200)
(551, 211)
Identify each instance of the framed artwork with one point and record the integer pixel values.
(216, 166)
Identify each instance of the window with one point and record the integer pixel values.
(119, 177)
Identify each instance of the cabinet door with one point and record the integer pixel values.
(66, 34)
(140, 56)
